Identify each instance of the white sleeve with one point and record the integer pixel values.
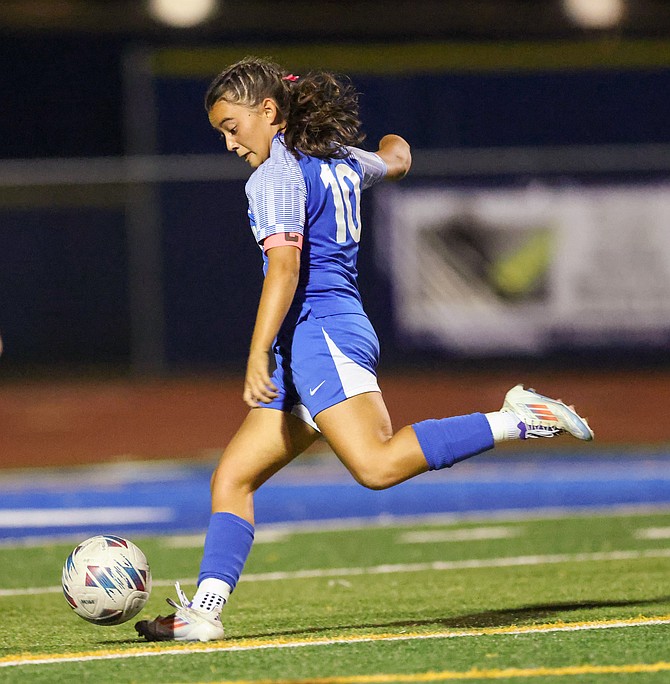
(374, 167)
(277, 197)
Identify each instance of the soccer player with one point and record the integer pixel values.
(301, 137)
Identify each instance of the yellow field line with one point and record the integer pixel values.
(449, 675)
(268, 644)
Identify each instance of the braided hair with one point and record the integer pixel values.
(320, 109)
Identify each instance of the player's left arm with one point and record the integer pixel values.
(279, 286)
(391, 161)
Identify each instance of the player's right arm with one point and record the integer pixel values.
(395, 152)
(279, 286)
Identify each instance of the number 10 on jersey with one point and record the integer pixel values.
(347, 199)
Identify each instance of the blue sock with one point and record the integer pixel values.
(227, 545)
(450, 440)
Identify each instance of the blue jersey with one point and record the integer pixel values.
(319, 199)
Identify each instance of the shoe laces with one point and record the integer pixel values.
(183, 600)
(185, 608)
(530, 431)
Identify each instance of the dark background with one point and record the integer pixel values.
(64, 262)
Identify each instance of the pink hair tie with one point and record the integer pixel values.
(291, 78)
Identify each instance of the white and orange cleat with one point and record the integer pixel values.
(540, 416)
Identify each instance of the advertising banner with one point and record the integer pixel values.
(524, 271)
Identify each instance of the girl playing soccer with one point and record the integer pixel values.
(300, 136)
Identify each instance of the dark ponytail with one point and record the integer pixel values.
(320, 109)
(323, 116)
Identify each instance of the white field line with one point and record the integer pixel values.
(391, 521)
(652, 533)
(68, 517)
(275, 531)
(468, 534)
(388, 569)
(269, 536)
(345, 640)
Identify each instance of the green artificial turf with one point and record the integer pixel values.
(377, 582)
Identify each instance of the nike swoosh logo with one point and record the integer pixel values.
(312, 392)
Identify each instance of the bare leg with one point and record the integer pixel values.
(360, 433)
(266, 441)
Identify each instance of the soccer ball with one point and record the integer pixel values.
(106, 580)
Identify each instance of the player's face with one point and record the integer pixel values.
(248, 131)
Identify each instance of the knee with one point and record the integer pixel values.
(227, 480)
(232, 494)
(374, 475)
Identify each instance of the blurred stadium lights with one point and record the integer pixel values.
(290, 19)
(595, 14)
(182, 13)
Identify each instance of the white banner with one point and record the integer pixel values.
(527, 270)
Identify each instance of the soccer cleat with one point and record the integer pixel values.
(186, 624)
(541, 416)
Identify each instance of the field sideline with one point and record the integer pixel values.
(568, 596)
(130, 498)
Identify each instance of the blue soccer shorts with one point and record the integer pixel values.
(322, 361)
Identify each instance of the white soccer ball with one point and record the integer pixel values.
(106, 580)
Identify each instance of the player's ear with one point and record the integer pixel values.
(271, 111)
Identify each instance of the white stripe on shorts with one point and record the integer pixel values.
(300, 411)
(355, 379)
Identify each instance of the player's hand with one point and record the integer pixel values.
(258, 388)
(396, 153)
